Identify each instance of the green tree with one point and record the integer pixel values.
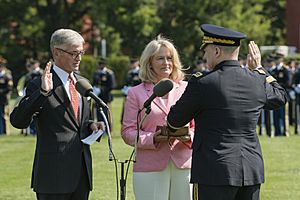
(275, 11)
(28, 25)
(182, 20)
(127, 26)
(135, 22)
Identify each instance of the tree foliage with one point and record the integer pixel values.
(127, 26)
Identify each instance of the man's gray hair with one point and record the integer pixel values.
(62, 37)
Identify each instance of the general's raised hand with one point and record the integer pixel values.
(47, 83)
(254, 56)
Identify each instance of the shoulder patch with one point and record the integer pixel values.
(260, 71)
(197, 75)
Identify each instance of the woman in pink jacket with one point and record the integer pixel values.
(162, 167)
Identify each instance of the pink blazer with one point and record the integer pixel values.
(152, 157)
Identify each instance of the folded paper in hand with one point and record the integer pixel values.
(93, 137)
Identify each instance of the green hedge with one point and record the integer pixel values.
(294, 57)
(119, 64)
(88, 66)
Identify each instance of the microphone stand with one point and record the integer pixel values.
(100, 109)
(122, 163)
(122, 181)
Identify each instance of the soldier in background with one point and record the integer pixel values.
(296, 86)
(201, 67)
(34, 71)
(291, 66)
(282, 75)
(132, 79)
(132, 76)
(103, 83)
(243, 60)
(266, 120)
(6, 86)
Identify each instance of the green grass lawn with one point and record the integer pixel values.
(281, 155)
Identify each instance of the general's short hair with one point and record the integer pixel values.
(152, 48)
(62, 37)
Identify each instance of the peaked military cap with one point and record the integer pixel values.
(278, 56)
(3, 61)
(220, 36)
(200, 62)
(133, 60)
(102, 60)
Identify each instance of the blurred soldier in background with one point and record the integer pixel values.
(266, 122)
(103, 83)
(201, 67)
(132, 76)
(34, 71)
(282, 75)
(296, 86)
(6, 86)
(243, 60)
(291, 66)
(132, 79)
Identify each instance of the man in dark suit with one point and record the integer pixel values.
(62, 168)
(226, 103)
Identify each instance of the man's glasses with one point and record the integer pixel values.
(74, 55)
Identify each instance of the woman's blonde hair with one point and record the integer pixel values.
(152, 48)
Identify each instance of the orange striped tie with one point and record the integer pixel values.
(74, 98)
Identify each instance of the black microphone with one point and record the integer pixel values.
(85, 89)
(160, 89)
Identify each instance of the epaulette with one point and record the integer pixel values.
(260, 71)
(270, 79)
(10, 83)
(197, 74)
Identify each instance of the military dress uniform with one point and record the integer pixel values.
(132, 77)
(226, 105)
(6, 85)
(281, 74)
(103, 80)
(34, 74)
(296, 83)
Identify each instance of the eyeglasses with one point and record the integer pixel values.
(74, 55)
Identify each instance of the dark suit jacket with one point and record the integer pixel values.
(59, 150)
(226, 105)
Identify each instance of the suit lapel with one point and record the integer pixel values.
(157, 101)
(173, 96)
(62, 96)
